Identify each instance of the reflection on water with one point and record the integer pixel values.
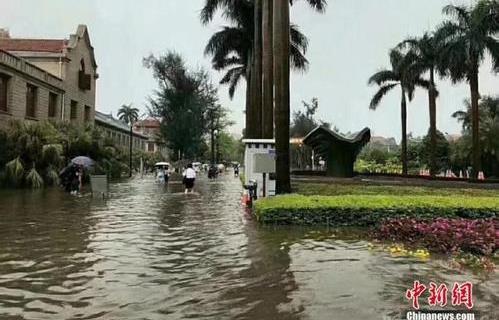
(151, 252)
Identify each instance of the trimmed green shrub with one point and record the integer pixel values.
(368, 210)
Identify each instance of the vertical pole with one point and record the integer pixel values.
(264, 186)
(313, 160)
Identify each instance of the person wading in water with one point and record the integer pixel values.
(189, 178)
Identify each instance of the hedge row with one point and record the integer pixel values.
(368, 210)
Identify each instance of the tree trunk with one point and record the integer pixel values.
(131, 142)
(257, 69)
(432, 95)
(403, 112)
(475, 122)
(268, 76)
(281, 78)
(249, 130)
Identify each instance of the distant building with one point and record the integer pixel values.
(382, 143)
(44, 79)
(151, 127)
(453, 137)
(119, 132)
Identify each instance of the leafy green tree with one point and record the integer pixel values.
(181, 101)
(489, 131)
(437, 155)
(217, 120)
(129, 115)
(229, 148)
(304, 120)
(466, 38)
(404, 75)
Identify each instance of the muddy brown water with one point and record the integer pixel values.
(150, 252)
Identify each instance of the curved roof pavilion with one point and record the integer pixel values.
(339, 152)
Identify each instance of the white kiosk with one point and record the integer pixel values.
(259, 164)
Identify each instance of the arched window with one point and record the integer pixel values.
(82, 65)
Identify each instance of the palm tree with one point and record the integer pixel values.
(267, 70)
(466, 38)
(129, 115)
(404, 75)
(489, 131)
(232, 49)
(281, 49)
(426, 51)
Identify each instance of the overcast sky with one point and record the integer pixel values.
(347, 44)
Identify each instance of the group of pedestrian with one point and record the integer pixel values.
(163, 174)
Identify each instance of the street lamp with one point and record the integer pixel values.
(215, 132)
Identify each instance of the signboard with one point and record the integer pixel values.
(264, 162)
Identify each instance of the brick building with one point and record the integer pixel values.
(151, 127)
(44, 79)
(119, 132)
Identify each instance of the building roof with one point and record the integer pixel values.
(110, 121)
(47, 47)
(321, 139)
(148, 123)
(33, 45)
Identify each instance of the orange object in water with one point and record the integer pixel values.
(245, 199)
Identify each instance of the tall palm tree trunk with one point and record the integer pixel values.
(267, 66)
(432, 96)
(257, 69)
(249, 132)
(475, 122)
(131, 143)
(403, 113)
(281, 78)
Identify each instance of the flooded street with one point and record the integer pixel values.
(150, 252)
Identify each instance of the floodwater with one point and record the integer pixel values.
(150, 252)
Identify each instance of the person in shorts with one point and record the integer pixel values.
(189, 178)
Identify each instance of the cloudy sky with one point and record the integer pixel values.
(347, 44)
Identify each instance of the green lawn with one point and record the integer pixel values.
(357, 209)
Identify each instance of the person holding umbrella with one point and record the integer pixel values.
(74, 176)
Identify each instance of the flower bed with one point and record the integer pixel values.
(443, 235)
(368, 210)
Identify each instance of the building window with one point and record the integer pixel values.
(4, 82)
(74, 110)
(52, 105)
(88, 112)
(84, 80)
(31, 100)
(150, 147)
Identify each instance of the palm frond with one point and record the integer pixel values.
(232, 78)
(460, 13)
(51, 176)
(34, 179)
(380, 94)
(383, 76)
(318, 5)
(14, 171)
(492, 45)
